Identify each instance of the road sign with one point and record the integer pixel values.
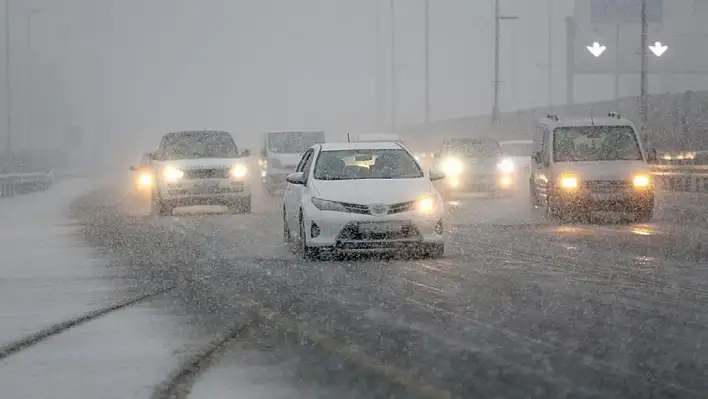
(658, 49)
(596, 49)
(612, 12)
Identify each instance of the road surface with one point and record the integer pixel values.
(518, 307)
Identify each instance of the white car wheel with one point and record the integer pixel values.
(306, 251)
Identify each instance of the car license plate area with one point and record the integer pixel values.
(384, 231)
(206, 187)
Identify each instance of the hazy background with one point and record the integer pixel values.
(125, 71)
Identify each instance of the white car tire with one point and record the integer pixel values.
(287, 237)
(305, 250)
(435, 251)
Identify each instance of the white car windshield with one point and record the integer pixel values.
(366, 164)
(191, 145)
(293, 142)
(595, 143)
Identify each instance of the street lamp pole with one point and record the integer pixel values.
(30, 77)
(497, 19)
(427, 61)
(392, 4)
(379, 79)
(8, 82)
(643, 88)
(550, 55)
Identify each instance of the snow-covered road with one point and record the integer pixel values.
(519, 307)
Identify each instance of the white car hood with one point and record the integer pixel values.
(372, 191)
(603, 170)
(202, 163)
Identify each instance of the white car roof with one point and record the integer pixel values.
(602, 121)
(516, 142)
(378, 145)
(295, 131)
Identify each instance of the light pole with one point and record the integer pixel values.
(379, 79)
(497, 19)
(550, 55)
(30, 77)
(392, 4)
(8, 82)
(427, 61)
(644, 83)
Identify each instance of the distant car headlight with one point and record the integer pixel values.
(325, 205)
(641, 181)
(145, 180)
(506, 166)
(239, 171)
(426, 204)
(171, 173)
(569, 181)
(452, 166)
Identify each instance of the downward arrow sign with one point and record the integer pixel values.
(596, 49)
(658, 49)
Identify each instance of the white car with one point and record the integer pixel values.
(199, 168)
(362, 196)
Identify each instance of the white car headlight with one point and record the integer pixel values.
(239, 171)
(506, 166)
(171, 173)
(325, 205)
(452, 166)
(426, 204)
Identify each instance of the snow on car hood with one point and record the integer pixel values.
(372, 191)
(202, 163)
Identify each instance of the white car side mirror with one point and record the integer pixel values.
(436, 175)
(296, 178)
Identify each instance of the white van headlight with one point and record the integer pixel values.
(641, 181)
(569, 181)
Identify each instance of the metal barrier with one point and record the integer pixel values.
(22, 183)
(683, 178)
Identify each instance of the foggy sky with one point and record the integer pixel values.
(128, 70)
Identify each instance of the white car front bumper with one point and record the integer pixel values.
(352, 231)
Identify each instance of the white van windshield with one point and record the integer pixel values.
(293, 142)
(595, 143)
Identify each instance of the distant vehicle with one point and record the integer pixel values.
(376, 138)
(520, 152)
(362, 197)
(280, 153)
(475, 165)
(587, 164)
(197, 168)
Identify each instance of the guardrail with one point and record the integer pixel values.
(684, 178)
(21, 183)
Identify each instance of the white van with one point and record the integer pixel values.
(376, 138)
(281, 152)
(583, 165)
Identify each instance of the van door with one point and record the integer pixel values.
(541, 165)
